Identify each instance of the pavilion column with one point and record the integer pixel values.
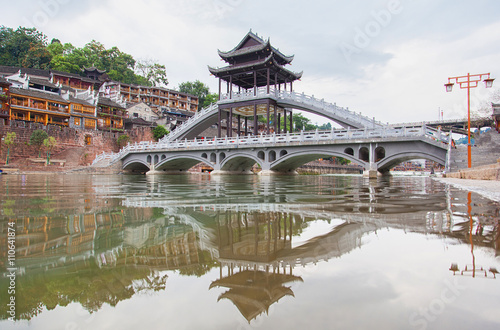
(220, 82)
(255, 125)
(255, 83)
(246, 126)
(291, 86)
(275, 119)
(239, 125)
(231, 87)
(268, 78)
(291, 122)
(279, 123)
(284, 120)
(219, 125)
(268, 118)
(230, 123)
(275, 81)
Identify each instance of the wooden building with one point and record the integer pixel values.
(39, 106)
(4, 101)
(159, 98)
(110, 115)
(255, 72)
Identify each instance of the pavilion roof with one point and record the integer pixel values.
(242, 74)
(251, 46)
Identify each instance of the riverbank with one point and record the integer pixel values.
(487, 188)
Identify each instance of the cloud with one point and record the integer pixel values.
(403, 50)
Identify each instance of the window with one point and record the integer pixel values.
(77, 121)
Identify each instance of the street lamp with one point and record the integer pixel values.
(469, 81)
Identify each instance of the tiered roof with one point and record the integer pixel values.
(253, 54)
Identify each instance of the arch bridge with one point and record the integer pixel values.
(376, 150)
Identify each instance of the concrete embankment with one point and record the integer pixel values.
(486, 172)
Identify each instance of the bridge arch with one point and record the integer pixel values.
(293, 160)
(239, 162)
(387, 163)
(180, 163)
(135, 165)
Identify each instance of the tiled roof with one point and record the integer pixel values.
(38, 94)
(107, 102)
(43, 82)
(9, 70)
(79, 101)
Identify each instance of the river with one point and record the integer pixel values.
(246, 252)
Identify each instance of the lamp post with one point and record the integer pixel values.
(469, 81)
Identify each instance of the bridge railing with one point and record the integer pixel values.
(276, 139)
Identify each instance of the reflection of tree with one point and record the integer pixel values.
(206, 262)
(84, 283)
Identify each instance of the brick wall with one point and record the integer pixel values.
(67, 138)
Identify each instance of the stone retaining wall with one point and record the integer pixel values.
(487, 172)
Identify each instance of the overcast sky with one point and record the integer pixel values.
(388, 59)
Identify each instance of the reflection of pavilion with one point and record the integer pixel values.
(254, 291)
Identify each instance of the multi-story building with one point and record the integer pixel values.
(162, 99)
(39, 106)
(91, 102)
(4, 101)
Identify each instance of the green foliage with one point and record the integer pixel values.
(302, 123)
(154, 73)
(325, 127)
(123, 140)
(25, 47)
(211, 98)
(199, 89)
(159, 132)
(10, 140)
(37, 138)
(49, 144)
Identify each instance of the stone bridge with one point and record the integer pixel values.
(284, 99)
(376, 150)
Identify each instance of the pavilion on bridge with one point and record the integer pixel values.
(257, 69)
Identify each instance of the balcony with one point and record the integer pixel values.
(19, 102)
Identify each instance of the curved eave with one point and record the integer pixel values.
(267, 62)
(235, 53)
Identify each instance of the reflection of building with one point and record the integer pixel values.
(254, 291)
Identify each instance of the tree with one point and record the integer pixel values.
(37, 138)
(154, 73)
(25, 47)
(10, 139)
(196, 88)
(211, 98)
(123, 140)
(159, 132)
(49, 144)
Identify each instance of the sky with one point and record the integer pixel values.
(387, 59)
